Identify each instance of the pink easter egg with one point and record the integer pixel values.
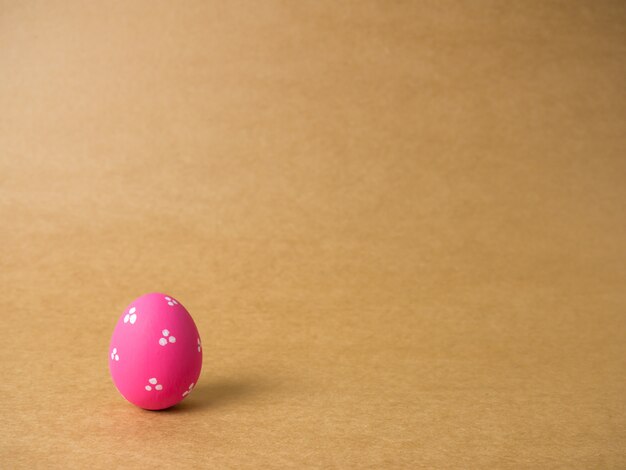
(155, 354)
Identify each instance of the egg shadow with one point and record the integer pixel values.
(222, 392)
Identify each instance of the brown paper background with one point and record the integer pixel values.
(400, 227)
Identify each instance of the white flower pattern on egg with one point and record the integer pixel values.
(154, 381)
(131, 316)
(166, 337)
(171, 302)
(187, 392)
(114, 355)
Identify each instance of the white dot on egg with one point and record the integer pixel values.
(152, 380)
(159, 387)
(168, 298)
(117, 358)
(126, 318)
(148, 387)
(162, 341)
(133, 318)
(172, 339)
(132, 310)
(165, 332)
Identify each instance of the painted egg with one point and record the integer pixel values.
(155, 354)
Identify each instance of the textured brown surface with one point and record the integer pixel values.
(400, 227)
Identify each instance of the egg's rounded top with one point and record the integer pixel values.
(155, 355)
